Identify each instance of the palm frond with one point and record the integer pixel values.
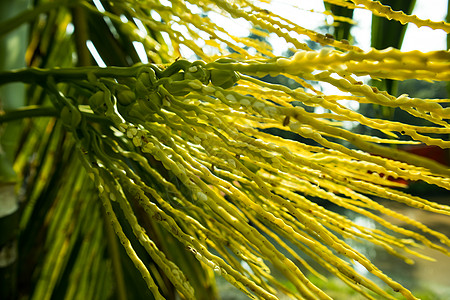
(146, 180)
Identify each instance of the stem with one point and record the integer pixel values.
(33, 75)
(113, 250)
(36, 111)
(80, 23)
(28, 112)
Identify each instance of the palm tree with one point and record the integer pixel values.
(143, 174)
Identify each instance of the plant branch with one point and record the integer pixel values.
(79, 20)
(39, 111)
(28, 112)
(37, 75)
(113, 249)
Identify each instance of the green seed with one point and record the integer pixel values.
(71, 118)
(224, 78)
(126, 97)
(197, 71)
(97, 102)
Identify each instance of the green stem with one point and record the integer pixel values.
(37, 111)
(80, 23)
(28, 112)
(36, 75)
(40, 76)
(113, 249)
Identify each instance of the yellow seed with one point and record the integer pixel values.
(258, 105)
(283, 62)
(123, 127)
(196, 84)
(137, 142)
(131, 132)
(232, 162)
(245, 102)
(294, 126)
(298, 56)
(112, 196)
(202, 196)
(306, 131)
(218, 94)
(208, 89)
(231, 97)
(148, 148)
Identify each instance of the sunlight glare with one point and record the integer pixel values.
(140, 51)
(98, 59)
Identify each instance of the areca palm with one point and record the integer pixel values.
(150, 175)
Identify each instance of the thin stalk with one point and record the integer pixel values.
(28, 112)
(80, 23)
(115, 258)
(37, 111)
(36, 75)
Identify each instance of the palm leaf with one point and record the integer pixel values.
(389, 33)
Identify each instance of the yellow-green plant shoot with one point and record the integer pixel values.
(183, 149)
